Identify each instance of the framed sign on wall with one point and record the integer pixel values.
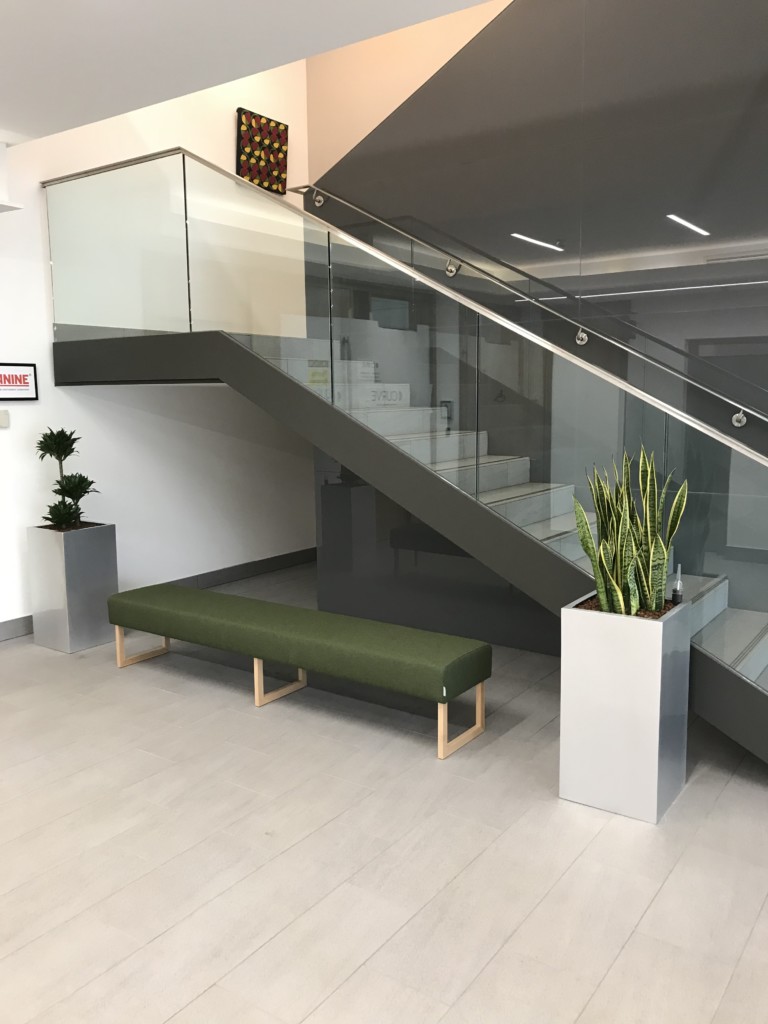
(18, 382)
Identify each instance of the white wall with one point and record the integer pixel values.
(195, 477)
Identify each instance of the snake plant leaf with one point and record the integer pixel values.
(614, 590)
(601, 511)
(663, 498)
(652, 501)
(658, 574)
(626, 472)
(622, 540)
(634, 593)
(643, 472)
(676, 512)
(643, 584)
(588, 543)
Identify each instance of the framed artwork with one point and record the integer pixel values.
(18, 382)
(262, 150)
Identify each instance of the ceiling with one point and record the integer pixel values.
(67, 64)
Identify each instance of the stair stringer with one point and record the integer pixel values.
(533, 568)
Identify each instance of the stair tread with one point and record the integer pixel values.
(762, 680)
(399, 409)
(556, 527)
(470, 460)
(515, 491)
(431, 435)
(731, 633)
(695, 587)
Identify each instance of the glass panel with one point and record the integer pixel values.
(404, 362)
(551, 420)
(259, 270)
(118, 252)
(724, 535)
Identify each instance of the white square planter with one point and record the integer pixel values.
(624, 710)
(71, 576)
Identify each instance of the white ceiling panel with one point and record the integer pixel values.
(73, 62)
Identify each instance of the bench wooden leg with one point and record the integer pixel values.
(446, 747)
(123, 662)
(260, 697)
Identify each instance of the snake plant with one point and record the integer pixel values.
(630, 557)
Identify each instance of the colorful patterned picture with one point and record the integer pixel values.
(262, 150)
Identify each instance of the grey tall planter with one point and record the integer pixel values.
(72, 574)
(624, 710)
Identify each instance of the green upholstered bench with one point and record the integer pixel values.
(434, 666)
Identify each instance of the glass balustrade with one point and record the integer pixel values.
(482, 397)
(118, 251)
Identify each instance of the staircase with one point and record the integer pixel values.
(544, 509)
(474, 424)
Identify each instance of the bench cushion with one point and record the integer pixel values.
(435, 666)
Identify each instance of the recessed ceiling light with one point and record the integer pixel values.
(686, 224)
(535, 241)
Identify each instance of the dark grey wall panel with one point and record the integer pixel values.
(584, 123)
(377, 560)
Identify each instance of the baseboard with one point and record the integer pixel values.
(231, 573)
(16, 627)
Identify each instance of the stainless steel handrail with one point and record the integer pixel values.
(462, 300)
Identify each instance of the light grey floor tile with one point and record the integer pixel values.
(425, 860)
(182, 740)
(56, 964)
(738, 823)
(516, 990)
(653, 850)
(42, 849)
(447, 943)
(399, 804)
(180, 778)
(304, 874)
(165, 830)
(746, 999)
(289, 818)
(162, 977)
(653, 982)
(369, 996)
(385, 762)
(709, 904)
(218, 1006)
(57, 799)
(582, 923)
(297, 970)
(156, 901)
(757, 946)
(54, 897)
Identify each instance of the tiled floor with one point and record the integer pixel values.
(170, 853)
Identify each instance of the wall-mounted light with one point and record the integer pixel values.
(686, 224)
(536, 241)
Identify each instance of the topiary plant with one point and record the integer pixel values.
(71, 488)
(630, 559)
